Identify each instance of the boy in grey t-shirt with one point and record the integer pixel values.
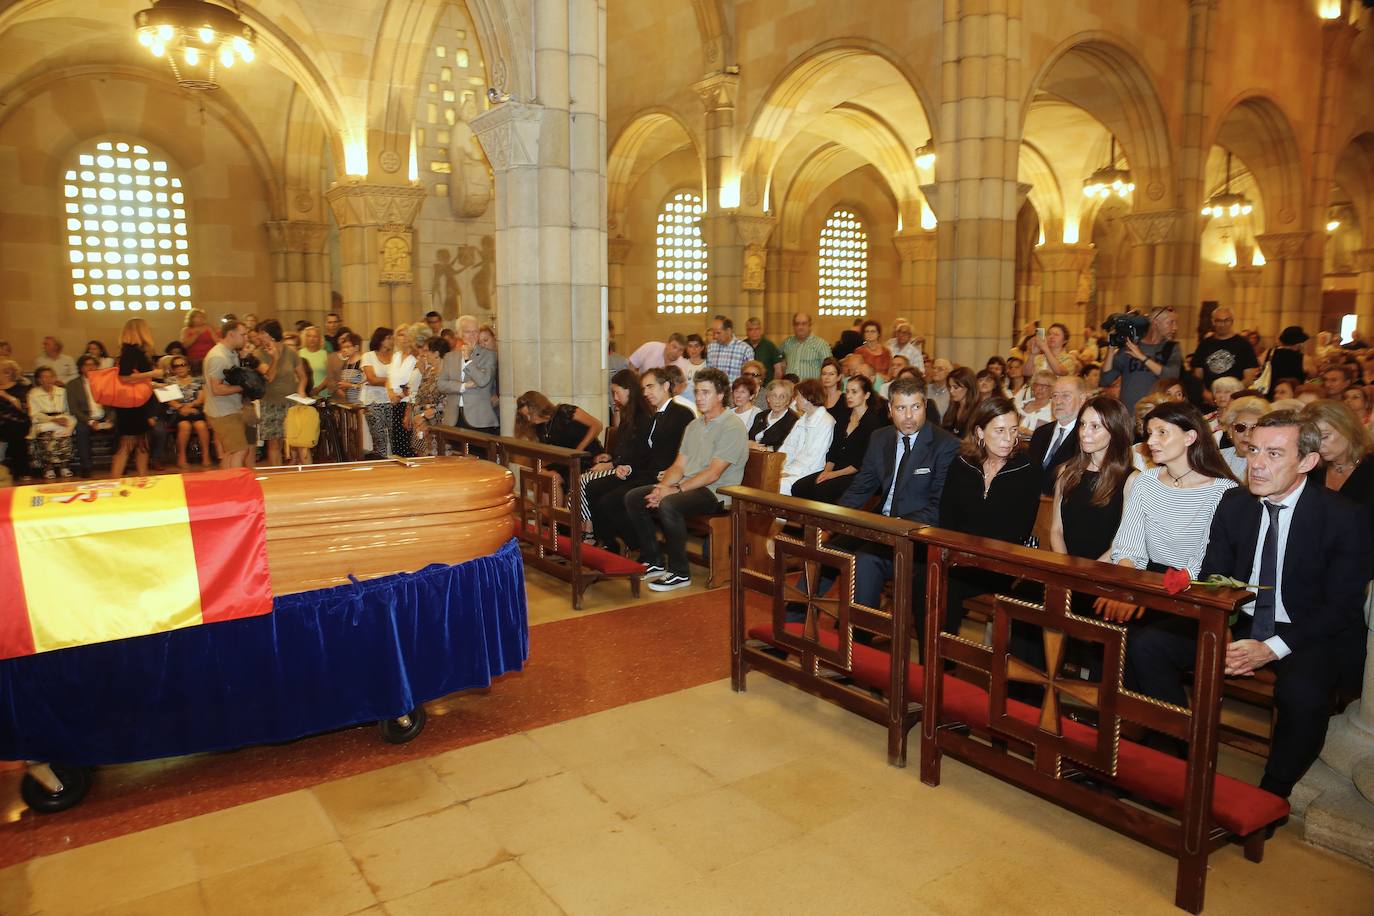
(715, 449)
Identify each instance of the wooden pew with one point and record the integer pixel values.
(550, 521)
(762, 472)
(1182, 807)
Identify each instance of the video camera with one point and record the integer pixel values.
(1124, 326)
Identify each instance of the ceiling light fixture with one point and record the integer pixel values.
(1226, 203)
(925, 154)
(1109, 179)
(196, 37)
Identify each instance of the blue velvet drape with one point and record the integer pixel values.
(321, 660)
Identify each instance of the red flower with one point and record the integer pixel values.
(1176, 580)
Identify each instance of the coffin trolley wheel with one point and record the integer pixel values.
(65, 787)
(403, 729)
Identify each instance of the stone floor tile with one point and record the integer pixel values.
(410, 855)
(600, 736)
(258, 831)
(605, 872)
(544, 813)
(319, 880)
(711, 830)
(114, 871)
(501, 890)
(644, 780)
(493, 766)
(383, 797)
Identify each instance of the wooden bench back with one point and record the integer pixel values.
(763, 471)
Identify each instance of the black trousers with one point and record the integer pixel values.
(606, 502)
(828, 492)
(1160, 655)
(671, 516)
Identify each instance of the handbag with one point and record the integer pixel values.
(251, 382)
(109, 391)
(1265, 381)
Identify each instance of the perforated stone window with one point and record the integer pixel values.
(681, 256)
(124, 210)
(843, 266)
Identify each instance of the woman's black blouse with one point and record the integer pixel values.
(1089, 529)
(1008, 511)
(564, 431)
(773, 436)
(848, 449)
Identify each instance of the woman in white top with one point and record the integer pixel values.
(376, 363)
(742, 394)
(1033, 403)
(809, 440)
(52, 425)
(694, 360)
(1168, 515)
(399, 379)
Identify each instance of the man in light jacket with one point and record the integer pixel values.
(467, 376)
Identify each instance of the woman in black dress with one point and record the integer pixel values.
(1093, 485)
(133, 423)
(963, 401)
(847, 447)
(14, 419)
(771, 426)
(1287, 359)
(992, 491)
(566, 425)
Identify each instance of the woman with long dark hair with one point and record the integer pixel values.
(564, 425)
(1168, 515)
(963, 400)
(832, 380)
(1093, 485)
(376, 363)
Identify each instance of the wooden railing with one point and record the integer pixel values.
(342, 430)
(821, 659)
(1082, 747)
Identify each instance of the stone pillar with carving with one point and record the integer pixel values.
(377, 248)
(300, 269)
(1364, 296)
(918, 250)
(617, 252)
(976, 176)
(1062, 268)
(1281, 302)
(753, 230)
(726, 264)
(1245, 295)
(549, 160)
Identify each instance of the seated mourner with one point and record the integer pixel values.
(1308, 551)
(714, 451)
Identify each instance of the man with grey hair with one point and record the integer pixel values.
(1306, 550)
(904, 344)
(53, 358)
(466, 379)
(1054, 443)
(804, 352)
(937, 388)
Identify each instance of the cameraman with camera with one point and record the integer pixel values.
(1141, 351)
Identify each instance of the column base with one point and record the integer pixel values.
(1334, 813)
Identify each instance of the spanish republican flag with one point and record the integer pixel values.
(86, 562)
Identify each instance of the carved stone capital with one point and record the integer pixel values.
(1154, 227)
(356, 203)
(1245, 276)
(718, 91)
(509, 134)
(1057, 258)
(1282, 246)
(1363, 260)
(753, 228)
(296, 236)
(618, 249)
(916, 245)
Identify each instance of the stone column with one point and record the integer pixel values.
(725, 267)
(976, 173)
(549, 159)
(1364, 297)
(1281, 308)
(377, 248)
(617, 251)
(918, 250)
(1061, 267)
(753, 230)
(1245, 295)
(300, 269)
(1180, 257)
(789, 301)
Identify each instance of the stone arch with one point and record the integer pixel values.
(1100, 74)
(1354, 173)
(822, 167)
(1256, 130)
(869, 81)
(647, 138)
(1045, 195)
(717, 44)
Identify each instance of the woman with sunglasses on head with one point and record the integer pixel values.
(187, 414)
(1168, 515)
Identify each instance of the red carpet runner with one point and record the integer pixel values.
(577, 666)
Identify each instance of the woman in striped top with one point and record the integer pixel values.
(1168, 515)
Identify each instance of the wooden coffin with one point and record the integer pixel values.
(375, 518)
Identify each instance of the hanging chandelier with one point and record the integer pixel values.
(198, 39)
(1109, 179)
(1225, 202)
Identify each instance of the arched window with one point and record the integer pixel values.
(681, 256)
(125, 212)
(844, 266)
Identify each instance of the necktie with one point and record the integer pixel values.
(653, 426)
(1267, 599)
(897, 475)
(1059, 433)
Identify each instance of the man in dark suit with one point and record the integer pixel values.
(905, 468)
(1308, 549)
(1054, 443)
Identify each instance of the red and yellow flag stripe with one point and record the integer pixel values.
(92, 562)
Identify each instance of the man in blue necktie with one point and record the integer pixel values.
(1308, 550)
